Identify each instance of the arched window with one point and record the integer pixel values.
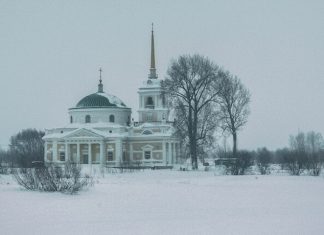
(111, 118)
(71, 119)
(149, 103)
(87, 119)
(147, 132)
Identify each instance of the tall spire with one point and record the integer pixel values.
(152, 74)
(100, 85)
(152, 50)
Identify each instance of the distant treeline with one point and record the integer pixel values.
(305, 154)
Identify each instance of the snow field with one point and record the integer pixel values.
(169, 202)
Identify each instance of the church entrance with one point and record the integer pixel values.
(85, 159)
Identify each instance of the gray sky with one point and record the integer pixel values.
(50, 52)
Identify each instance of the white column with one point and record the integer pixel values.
(155, 102)
(174, 153)
(89, 154)
(130, 152)
(142, 102)
(90, 157)
(54, 151)
(102, 153)
(45, 152)
(169, 153)
(164, 152)
(78, 153)
(66, 152)
(119, 152)
(177, 152)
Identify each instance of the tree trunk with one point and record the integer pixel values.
(193, 151)
(234, 144)
(194, 160)
(194, 139)
(192, 130)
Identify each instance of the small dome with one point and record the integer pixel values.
(100, 100)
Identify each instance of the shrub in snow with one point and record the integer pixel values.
(306, 153)
(239, 165)
(263, 159)
(315, 163)
(65, 179)
(294, 162)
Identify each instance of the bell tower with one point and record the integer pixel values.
(152, 107)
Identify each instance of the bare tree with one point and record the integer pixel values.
(234, 101)
(298, 143)
(27, 146)
(307, 151)
(314, 142)
(314, 149)
(2, 158)
(192, 86)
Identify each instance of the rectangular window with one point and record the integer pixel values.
(149, 117)
(124, 156)
(62, 156)
(147, 155)
(85, 159)
(110, 156)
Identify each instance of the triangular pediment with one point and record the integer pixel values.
(83, 133)
(147, 147)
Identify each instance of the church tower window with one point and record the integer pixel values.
(149, 103)
(71, 119)
(87, 119)
(111, 118)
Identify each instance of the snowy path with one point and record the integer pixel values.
(170, 202)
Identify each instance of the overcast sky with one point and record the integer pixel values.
(50, 52)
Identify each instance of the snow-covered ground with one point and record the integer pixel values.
(169, 202)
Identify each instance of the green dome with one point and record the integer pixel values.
(100, 100)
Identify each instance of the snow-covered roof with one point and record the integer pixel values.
(112, 99)
(100, 100)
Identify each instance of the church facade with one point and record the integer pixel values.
(101, 131)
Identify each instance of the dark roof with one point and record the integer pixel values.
(100, 100)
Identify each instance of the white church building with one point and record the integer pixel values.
(101, 130)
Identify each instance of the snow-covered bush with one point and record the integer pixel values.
(294, 162)
(315, 163)
(263, 160)
(239, 165)
(65, 179)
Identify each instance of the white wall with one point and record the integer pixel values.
(122, 115)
